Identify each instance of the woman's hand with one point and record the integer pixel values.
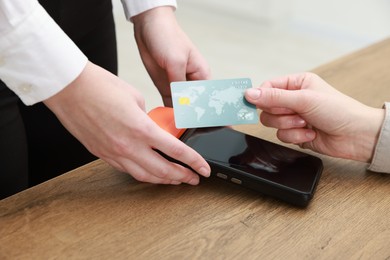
(166, 51)
(309, 112)
(107, 115)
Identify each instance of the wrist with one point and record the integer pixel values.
(367, 140)
(154, 13)
(70, 93)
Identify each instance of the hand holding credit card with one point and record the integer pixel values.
(210, 103)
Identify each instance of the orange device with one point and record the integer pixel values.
(164, 117)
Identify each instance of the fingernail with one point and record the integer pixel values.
(253, 93)
(194, 181)
(311, 135)
(204, 172)
(299, 122)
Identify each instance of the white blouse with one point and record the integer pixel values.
(37, 59)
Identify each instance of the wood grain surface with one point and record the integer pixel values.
(95, 212)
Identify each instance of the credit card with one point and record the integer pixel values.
(210, 103)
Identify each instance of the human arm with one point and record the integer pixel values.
(308, 111)
(166, 51)
(106, 114)
(37, 59)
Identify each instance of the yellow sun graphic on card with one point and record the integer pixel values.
(184, 101)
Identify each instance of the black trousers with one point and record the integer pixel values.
(34, 146)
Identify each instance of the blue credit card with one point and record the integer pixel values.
(210, 103)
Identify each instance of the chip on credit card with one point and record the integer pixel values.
(210, 103)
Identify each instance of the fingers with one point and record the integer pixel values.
(151, 175)
(176, 149)
(296, 135)
(176, 69)
(282, 121)
(278, 100)
(152, 167)
(193, 67)
(291, 128)
(288, 93)
(291, 82)
(198, 68)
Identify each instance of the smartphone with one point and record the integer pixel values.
(257, 164)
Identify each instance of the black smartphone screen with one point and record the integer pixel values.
(277, 169)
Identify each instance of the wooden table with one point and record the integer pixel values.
(96, 212)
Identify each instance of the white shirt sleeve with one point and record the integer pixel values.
(37, 59)
(134, 7)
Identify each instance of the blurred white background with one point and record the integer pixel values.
(261, 39)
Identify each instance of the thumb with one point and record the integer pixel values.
(176, 71)
(267, 98)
